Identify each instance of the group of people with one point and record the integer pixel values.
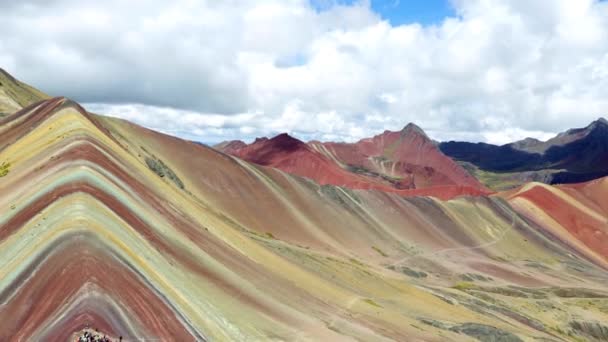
(88, 336)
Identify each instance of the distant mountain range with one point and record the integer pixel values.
(408, 160)
(576, 155)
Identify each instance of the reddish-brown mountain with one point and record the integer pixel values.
(408, 159)
(407, 162)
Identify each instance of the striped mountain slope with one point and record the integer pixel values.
(109, 225)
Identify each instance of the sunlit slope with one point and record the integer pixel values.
(331, 231)
(141, 235)
(409, 158)
(15, 95)
(576, 214)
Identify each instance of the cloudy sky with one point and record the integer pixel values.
(476, 70)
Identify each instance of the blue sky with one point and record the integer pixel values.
(398, 12)
(426, 12)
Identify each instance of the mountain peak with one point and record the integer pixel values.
(283, 136)
(601, 121)
(281, 142)
(413, 129)
(284, 139)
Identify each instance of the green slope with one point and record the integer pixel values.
(15, 95)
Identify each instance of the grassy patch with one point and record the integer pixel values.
(263, 235)
(363, 171)
(356, 262)
(381, 252)
(5, 168)
(162, 170)
(413, 273)
(371, 302)
(500, 181)
(408, 271)
(493, 180)
(464, 285)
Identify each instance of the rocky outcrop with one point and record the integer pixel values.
(486, 333)
(594, 330)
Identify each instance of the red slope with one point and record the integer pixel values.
(581, 210)
(409, 155)
(295, 157)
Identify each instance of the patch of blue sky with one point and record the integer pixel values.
(398, 12)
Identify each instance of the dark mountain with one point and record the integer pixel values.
(505, 158)
(573, 156)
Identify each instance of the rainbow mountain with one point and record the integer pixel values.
(110, 226)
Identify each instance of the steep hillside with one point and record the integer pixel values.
(408, 156)
(15, 95)
(575, 213)
(230, 146)
(109, 225)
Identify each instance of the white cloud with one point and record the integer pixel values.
(214, 70)
(514, 134)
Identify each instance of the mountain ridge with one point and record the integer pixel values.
(95, 234)
(14, 95)
(390, 161)
(576, 155)
(563, 137)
